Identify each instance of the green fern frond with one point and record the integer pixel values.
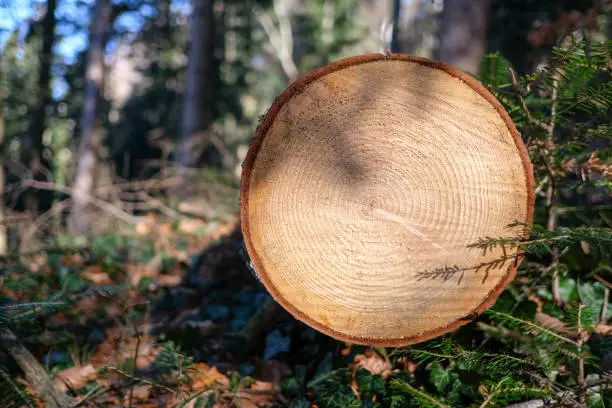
(27, 312)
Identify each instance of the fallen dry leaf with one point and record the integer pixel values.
(72, 260)
(549, 322)
(263, 386)
(39, 263)
(140, 393)
(260, 394)
(245, 402)
(116, 349)
(136, 272)
(145, 226)
(604, 329)
(374, 363)
(205, 377)
(408, 364)
(165, 229)
(75, 377)
(169, 280)
(190, 225)
(97, 276)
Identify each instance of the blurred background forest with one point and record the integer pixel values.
(149, 106)
(123, 126)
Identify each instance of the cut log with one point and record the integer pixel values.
(366, 183)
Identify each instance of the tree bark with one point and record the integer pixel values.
(3, 229)
(196, 112)
(395, 30)
(39, 165)
(463, 33)
(90, 135)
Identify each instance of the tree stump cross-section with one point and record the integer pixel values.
(365, 184)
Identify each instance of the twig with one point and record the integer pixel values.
(517, 88)
(536, 327)
(581, 387)
(494, 392)
(55, 209)
(581, 208)
(95, 391)
(551, 194)
(603, 281)
(149, 202)
(528, 404)
(142, 380)
(604, 306)
(101, 204)
(412, 390)
(134, 360)
(148, 185)
(281, 38)
(606, 381)
(193, 397)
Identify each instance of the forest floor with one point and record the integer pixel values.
(160, 317)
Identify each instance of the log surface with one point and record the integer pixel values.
(366, 182)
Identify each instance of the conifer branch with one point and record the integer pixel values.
(422, 396)
(525, 323)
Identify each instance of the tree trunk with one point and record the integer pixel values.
(463, 33)
(39, 165)
(196, 112)
(90, 136)
(395, 33)
(3, 230)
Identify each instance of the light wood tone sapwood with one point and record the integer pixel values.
(370, 173)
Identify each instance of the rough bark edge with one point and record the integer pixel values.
(297, 87)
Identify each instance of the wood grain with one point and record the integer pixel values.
(365, 183)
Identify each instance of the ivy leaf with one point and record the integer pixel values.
(398, 401)
(369, 385)
(595, 400)
(441, 378)
(567, 289)
(341, 397)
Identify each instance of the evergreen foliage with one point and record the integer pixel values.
(13, 394)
